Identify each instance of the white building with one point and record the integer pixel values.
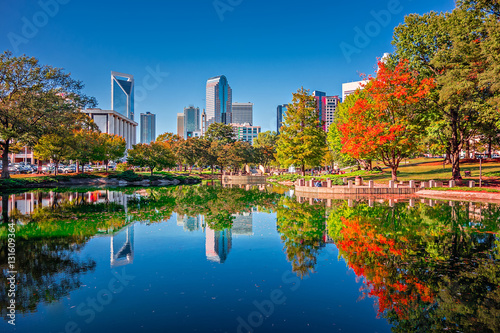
(112, 122)
(350, 87)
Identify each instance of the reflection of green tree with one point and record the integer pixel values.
(450, 249)
(218, 204)
(302, 227)
(48, 269)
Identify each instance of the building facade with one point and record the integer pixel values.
(331, 104)
(242, 113)
(191, 122)
(320, 98)
(246, 132)
(180, 124)
(350, 87)
(113, 122)
(122, 94)
(280, 116)
(219, 101)
(148, 127)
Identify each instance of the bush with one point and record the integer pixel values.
(128, 175)
(122, 167)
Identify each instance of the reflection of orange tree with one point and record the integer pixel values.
(380, 260)
(302, 227)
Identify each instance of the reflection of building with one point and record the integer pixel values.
(242, 224)
(217, 244)
(148, 127)
(122, 247)
(219, 101)
(190, 223)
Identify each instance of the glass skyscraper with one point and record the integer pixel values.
(280, 116)
(219, 101)
(191, 121)
(148, 127)
(122, 94)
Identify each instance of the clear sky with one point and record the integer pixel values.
(266, 48)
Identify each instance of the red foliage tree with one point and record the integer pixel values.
(383, 124)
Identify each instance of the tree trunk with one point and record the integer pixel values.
(467, 149)
(394, 172)
(5, 160)
(152, 170)
(455, 146)
(106, 162)
(55, 168)
(303, 170)
(77, 167)
(489, 147)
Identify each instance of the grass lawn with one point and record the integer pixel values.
(432, 169)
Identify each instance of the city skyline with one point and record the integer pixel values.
(251, 57)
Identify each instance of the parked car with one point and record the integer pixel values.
(68, 168)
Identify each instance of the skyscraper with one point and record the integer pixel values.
(148, 127)
(191, 121)
(280, 116)
(122, 94)
(320, 98)
(219, 101)
(331, 103)
(180, 124)
(242, 113)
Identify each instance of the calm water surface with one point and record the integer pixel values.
(255, 259)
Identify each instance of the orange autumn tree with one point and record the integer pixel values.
(383, 123)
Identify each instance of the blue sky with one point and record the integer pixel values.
(267, 49)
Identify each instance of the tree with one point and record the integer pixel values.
(382, 124)
(84, 145)
(153, 155)
(220, 132)
(34, 99)
(111, 148)
(458, 50)
(187, 152)
(302, 140)
(334, 136)
(265, 147)
(173, 141)
(53, 147)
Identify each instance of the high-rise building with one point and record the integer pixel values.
(331, 104)
(122, 94)
(148, 127)
(246, 132)
(180, 124)
(191, 121)
(219, 101)
(113, 122)
(242, 113)
(320, 98)
(280, 116)
(351, 87)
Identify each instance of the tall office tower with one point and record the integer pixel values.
(148, 127)
(331, 104)
(320, 98)
(219, 101)
(242, 113)
(351, 87)
(191, 121)
(122, 94)
(180, 124)
(280, 116)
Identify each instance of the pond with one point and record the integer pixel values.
(246, 259)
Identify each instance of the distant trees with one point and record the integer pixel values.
(156, 154)
(302, 141)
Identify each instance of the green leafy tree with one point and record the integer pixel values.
(35, 99)
(265, 147)
(110, 148)
(220, 132)
(54, 147)
(153, 155)
(302, 141)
